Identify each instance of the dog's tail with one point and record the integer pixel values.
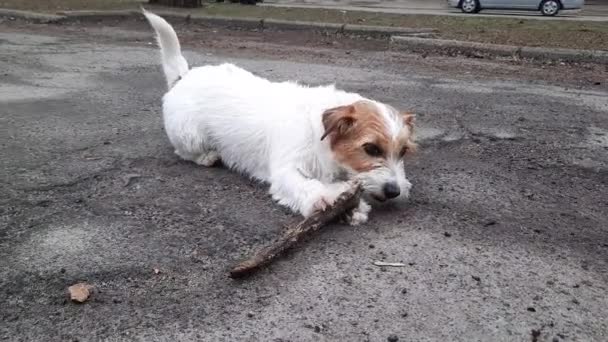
(174, 64)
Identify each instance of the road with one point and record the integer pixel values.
(505, 237)
(592, 11)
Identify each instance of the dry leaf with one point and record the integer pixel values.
(80, 292)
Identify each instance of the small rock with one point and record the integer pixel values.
(489, 223)
(393, 338)
(250, 314)
(404, 291)
(156, 271)
(531, 309)
(476, 278)
(371, 246)
(446, 234)
(80, 292)
(317, 329)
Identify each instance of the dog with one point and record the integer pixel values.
(306, 142)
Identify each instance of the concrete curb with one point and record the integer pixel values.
(404, 39)
(453, 47)
(231, 22)
(30, 16)
(276, 24)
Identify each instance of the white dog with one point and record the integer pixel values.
(305, 141)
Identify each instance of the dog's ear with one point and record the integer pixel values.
(338, 120)
(409, 120)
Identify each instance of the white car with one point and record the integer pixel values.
(546, 7)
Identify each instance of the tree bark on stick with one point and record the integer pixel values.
(348, 200)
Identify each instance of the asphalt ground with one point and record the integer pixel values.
(505, 237)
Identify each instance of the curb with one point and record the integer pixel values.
(30, 16)
(473, 49)
(401, 39)
(228, 22)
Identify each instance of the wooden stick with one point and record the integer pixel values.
(347, 200)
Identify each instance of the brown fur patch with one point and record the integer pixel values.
(351, 127)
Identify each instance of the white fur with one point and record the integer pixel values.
(174, 64)
(270, 131)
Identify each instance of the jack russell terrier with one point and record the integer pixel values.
(306, 142)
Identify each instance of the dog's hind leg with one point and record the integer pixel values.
(191, 144)
(208, 158)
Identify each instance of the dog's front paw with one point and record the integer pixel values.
(359, 215)
(405, 187)
(324, 199)
(322, 203)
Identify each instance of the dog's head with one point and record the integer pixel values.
(370, 141)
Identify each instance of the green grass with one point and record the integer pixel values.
(528, 32)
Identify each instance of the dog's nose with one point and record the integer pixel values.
(391, 190)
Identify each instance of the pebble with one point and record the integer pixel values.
(489, 223)
(393, 338)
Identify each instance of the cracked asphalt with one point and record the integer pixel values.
(505, 237)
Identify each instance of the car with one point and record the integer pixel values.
(546, 7)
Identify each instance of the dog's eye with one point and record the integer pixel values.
(403, 151)
(373, 150)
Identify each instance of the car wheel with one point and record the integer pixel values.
(549, 7)
(469, 6)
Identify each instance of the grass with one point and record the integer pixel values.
(528, 32)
